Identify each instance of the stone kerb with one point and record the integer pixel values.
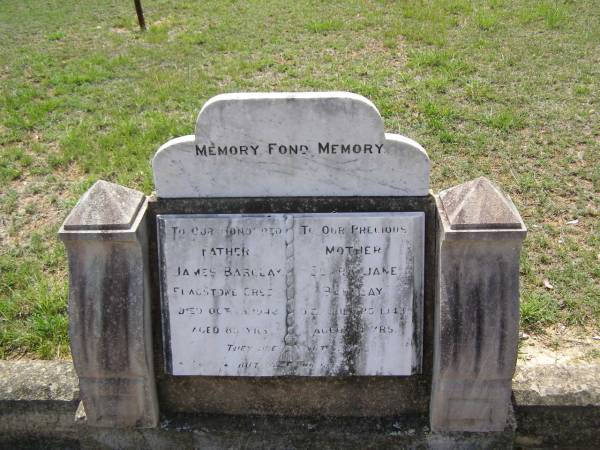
(290, 144)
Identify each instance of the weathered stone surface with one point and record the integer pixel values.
(292, 294)
(223, 293)
(37, 401)
(479, 204)
(296, 396)
(557, 384)
(109, 310)
(358, 292)
(557, 405)
(32, 380)
(290, 144)
(105, 206)
(476, 313)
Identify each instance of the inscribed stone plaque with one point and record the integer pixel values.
(290, 144)
(358, 278)
(292, 294)
(223, 284)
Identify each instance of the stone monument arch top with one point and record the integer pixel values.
(290, 144)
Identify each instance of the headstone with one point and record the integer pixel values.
(293, 262)
(291, 294)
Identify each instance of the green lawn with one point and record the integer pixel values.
(505, 89)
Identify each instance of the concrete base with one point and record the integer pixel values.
(38, 400)
(259, 432)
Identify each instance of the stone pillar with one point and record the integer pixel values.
(109, 306)
(480, 233)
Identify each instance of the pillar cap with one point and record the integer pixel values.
(479, 205)
(105, 206)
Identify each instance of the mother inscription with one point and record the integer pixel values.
(292, 294)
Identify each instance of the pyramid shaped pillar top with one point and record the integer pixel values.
(105, 206)
(479, 205)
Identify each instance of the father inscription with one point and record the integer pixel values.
(223, 280)
(292, 294)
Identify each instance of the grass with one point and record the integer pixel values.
(504, 89)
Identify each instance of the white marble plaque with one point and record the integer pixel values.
(223, 282)
(292, 294)
(290, 144)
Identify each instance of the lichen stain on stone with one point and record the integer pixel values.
(115, 313)
(311, 355)
(352, 335)
(334, 309)
(502, 283)
(411, 296)
(81, 327)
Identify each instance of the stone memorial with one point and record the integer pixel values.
(293, 262)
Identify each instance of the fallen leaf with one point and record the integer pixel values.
(547, 284)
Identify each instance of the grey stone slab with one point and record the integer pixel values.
(556, 406)
(33, 380)
(290, 144)
(560, 385)
(109, 309)
(292, 294)
(476, 312)
(105, 206)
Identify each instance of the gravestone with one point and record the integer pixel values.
(294, 262)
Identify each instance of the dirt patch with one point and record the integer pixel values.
(38, 206)
(560, 345)
(119, 30)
